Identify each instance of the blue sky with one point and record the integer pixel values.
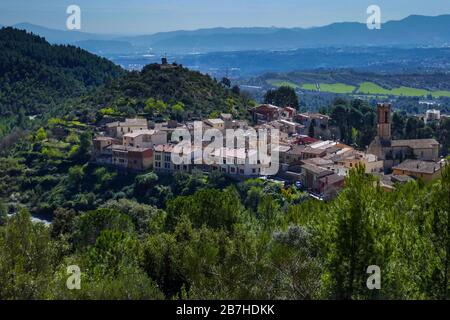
(148, 16)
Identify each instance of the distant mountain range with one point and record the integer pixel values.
(414, 30)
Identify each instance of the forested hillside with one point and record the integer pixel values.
(164, 91)
(35, 76)
(37, 79)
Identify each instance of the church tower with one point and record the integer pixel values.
(384, 121)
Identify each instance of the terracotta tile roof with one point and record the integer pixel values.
(316, 169)
(418, 166)
(415, 143)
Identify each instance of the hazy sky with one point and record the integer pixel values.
(148, 16)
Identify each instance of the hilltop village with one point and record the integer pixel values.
(318, 166)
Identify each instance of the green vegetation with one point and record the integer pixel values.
(283, 96)
(162, 92)
(355, 120)
(348, 82)
(356, 124)
(327, 87)
(193, 236)
(372, 88)
(404, 127)
(281, 83)
(74, 89)
(198, 236)
(36, 77)
(309, 86)
(437, 94)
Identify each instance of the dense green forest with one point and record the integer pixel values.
(34, 75)
(37, 78)
(201, 237)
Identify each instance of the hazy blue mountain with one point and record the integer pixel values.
(411, 31)
(105, 46)
(414, 30)
(55, 36)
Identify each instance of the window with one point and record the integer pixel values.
(158, 157)
(158, 164)
(167, 158)
(167, 165)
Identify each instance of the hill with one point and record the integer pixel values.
(36, 76)
(198, 94)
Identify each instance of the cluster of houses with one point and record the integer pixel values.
(317, 165)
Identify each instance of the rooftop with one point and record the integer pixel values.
(282, 148)
(332, 179)
(318, 161)
(226, 116)
(316, 169)
(169, 148)
(238, 153)
(164, 148)
(419, 166)
(122, 148)
(314, 116)
(300, 149)
(286, 122)
(104, 138)
(140, 132)
(265, 108)
(128, 122)
(415, 143)
(214, 121)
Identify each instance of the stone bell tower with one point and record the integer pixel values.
(384, 121)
